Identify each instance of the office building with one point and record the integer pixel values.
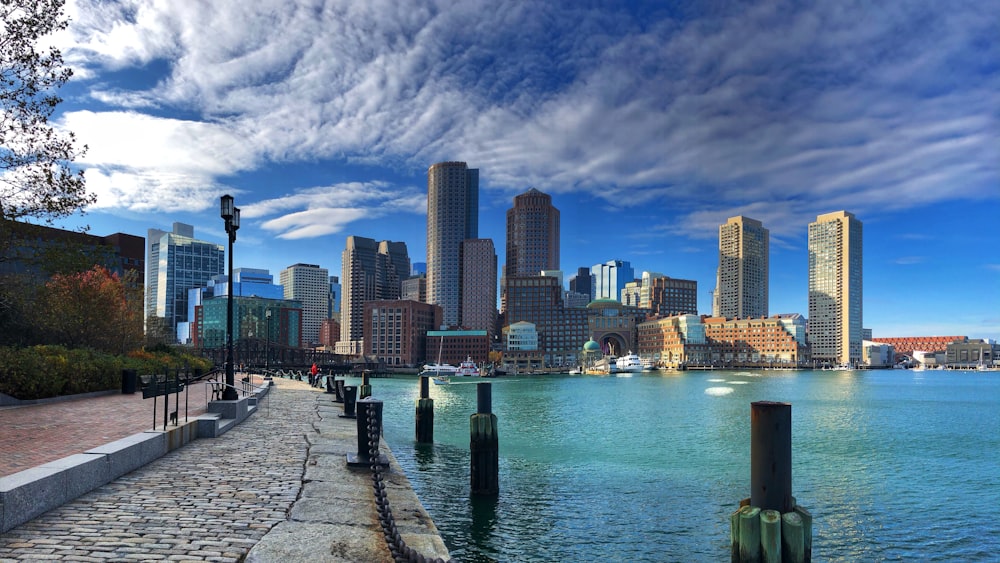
(562, 331)
(395, 331)
(581, 283)
(310, 285)
(741, 289)
(672, 296)
(333, 303)
(370, 271)
(175, 263)
(479, 285)
(452, 217)
(609, 279)
(835, 289)
(532, 235)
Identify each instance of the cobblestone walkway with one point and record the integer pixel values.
(211, 500)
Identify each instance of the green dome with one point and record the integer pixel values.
(591, 346)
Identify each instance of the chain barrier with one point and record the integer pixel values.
(400, 551)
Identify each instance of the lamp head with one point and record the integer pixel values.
(226, 207)
(236, 218)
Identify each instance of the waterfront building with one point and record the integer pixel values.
(673, 342)
(532, 235)
(479, 285)
(252, 329)
(581, 283)
(329, 333)
(415, 288)
(609, 278)
(521, 353)
(175, 263)
(395, 331)
(452, 217)
(614, 326)
(909, 345)
(454, 346)
(877, 354)
(370, 271)
(562, 331)
(310, 285)
(742, 277)
(672, 296)
(972, 353)
(835, 288)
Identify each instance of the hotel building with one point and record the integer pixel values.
(532, 235)
(835, 288)
(742, 278)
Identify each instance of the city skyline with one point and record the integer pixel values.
(647, 126)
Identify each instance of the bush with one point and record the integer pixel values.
(39, 372)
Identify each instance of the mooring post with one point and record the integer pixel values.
(369, 430)
(338, 389)
(771, 456)
(484, 444)
(425, 413)
(350, 398)
(366, 388)
(770, 526)
(329, 385)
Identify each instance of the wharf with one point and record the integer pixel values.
(274, 488)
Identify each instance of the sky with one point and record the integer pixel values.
(649, 124)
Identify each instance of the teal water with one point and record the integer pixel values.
(894, 465)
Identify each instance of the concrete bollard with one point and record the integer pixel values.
(366, 387)
(424, 419)
(330, 386)
(484, 445)
(770, 526)
(338, 389)
(350, 398)
(369, 414)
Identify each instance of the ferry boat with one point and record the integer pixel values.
(629, 363)
(441, 380)
(439, 369)
(468, 368)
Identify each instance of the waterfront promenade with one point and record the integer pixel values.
(274, 488)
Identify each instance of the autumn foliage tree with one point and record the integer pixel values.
(92, 309)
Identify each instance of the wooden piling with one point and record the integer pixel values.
(771, 456)
(750, 534)
(770, 536)
(366, 387)
(807, 525)
(424, 421)
(484, 445)
(792, 538)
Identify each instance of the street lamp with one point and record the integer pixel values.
(231, 215)
(267, 343)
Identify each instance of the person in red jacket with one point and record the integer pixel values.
(312, 377)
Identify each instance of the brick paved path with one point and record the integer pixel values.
(211, 500)
(36, 434)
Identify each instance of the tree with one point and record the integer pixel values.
(37, 180)
(93, 309)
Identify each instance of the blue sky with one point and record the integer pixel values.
(648, 125)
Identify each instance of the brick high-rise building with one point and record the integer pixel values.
(370, 271)
(452, 217)
(479, 285)
(532, 235)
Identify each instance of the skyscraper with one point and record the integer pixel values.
(580, 283)
(175, 263)
(370, 271)
(479, 285)
(452, 216)
(609, 278)
(742, 278)
(835, 288)
(310, 285)
(532, 235)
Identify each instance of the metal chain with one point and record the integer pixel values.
(401, 553)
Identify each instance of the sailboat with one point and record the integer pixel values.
(438, 370)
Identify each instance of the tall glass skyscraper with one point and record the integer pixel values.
(175, 263)
(835, 288)
(609, 278)
(452, 217)
(741, 288)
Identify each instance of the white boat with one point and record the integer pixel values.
(629, 363)
(441, 380)
(439, 369)
(468, 368)
(648, 364)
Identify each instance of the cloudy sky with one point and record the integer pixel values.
(649, 123)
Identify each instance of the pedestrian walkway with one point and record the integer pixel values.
(275, 488)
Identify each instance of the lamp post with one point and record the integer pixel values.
(231, 215)
(267, 343)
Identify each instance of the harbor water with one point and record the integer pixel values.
(894, 465)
